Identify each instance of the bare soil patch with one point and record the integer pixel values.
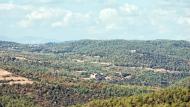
(10, 78)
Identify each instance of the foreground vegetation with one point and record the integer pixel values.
(177, 97)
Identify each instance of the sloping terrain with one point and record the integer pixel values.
(166, 54)
(9, 78)
(117, 69)
(176, 97)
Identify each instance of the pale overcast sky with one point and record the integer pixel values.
(34, 21)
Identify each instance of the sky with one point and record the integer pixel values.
(39, 21)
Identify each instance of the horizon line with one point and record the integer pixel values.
(92, 40)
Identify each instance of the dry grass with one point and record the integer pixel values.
(10, 78)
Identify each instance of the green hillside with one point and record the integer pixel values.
(177, 97)
(95, 73)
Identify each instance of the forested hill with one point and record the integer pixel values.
(123, 72)
(176, 97)
(167, 54)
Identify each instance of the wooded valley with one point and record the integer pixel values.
(95, 73)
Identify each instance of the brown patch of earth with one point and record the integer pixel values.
(10, 78)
